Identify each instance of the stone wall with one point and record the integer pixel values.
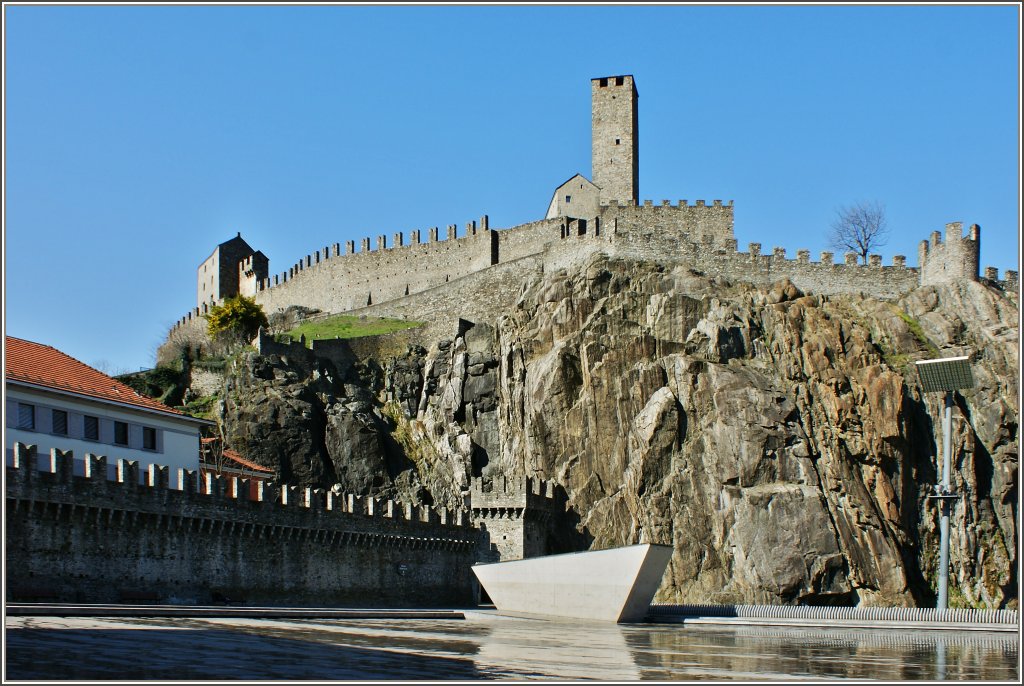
(332, 282)
(87, 539)
(450, 278)
(667, 223)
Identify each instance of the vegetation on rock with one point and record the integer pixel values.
(347, 326)
(237, 319)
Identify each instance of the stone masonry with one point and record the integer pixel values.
(186, 537)
(615, 142)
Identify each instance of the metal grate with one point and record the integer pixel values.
(947, 374)
(896, 614)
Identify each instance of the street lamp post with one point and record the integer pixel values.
(946, 375)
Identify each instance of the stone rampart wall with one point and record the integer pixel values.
(479, 297)
(346, 282)
(450, 278)
(87, 539)
(528, 239)
(701, 223)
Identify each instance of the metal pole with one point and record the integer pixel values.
(947, 459)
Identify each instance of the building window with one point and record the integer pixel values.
(616, 141)
(60, 422)
(568, 198)
(92, 428)
(120, 433)
(26, 416)
(604, 83)
(619, 80)
(148, 438)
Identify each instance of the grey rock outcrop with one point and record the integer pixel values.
(778, 440)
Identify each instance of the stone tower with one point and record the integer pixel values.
(219, 275)
(615, 151)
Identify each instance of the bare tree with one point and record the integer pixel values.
(860, 228)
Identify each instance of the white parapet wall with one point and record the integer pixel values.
(615, 585)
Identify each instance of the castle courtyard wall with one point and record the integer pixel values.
(91, 540)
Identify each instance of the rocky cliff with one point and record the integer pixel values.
(778, 440)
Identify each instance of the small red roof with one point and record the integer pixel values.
(232, 455)
(42, 365)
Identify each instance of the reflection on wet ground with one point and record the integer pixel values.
(485, 646)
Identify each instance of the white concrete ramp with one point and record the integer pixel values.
(614, 585)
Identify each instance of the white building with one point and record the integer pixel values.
(54, 401)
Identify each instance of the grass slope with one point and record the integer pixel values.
(348, 326)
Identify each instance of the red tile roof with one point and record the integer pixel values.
(232, 455)
(237, 457)
(42, 365)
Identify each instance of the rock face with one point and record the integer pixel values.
(778, 441)
(314, 425)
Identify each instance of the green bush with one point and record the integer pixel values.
(237, 319)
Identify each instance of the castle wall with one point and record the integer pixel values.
(481, 296)
(480, 275)
(208, 279)
(336, 283)
(528, 239)
(701, 223)
(87, 539)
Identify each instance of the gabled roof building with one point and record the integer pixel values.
(53, 400)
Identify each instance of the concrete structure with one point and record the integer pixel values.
(614, 585)
(604, 214)
(56, 401)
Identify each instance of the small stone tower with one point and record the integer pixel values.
(615, 145)
(518, 516)
(955, 260)
(219, 275)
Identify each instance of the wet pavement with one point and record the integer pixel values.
(485, 646)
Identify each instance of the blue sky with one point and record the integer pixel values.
(137, 138)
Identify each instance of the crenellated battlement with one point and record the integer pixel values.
(89, 533)
(699, 234)
(212, 497)
(514, 497)
(398, 242)
(955, 259)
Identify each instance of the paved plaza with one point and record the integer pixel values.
(484, 646)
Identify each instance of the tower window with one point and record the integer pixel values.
(616, 141)
(618, 80)
(604, 83)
